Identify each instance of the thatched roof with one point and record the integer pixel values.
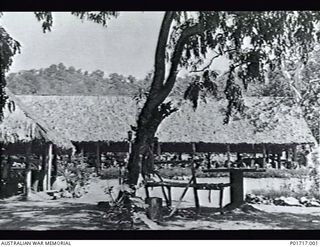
(206, 125)
(108, 118)
(21, 124)
(85, 118)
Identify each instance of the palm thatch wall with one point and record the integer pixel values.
(108, 118)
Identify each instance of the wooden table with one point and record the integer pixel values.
(236, 183)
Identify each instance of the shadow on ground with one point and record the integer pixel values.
(62, 215)
(50, 215)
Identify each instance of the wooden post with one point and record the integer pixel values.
(147, 191)
(98, 159)
(196, 197)
(279, 160)
(35, 184)
(228, 155)
(50, 159)
(287, 154)
(294, 153)
(236, 188)
(169, 196)
(54, 165)
(27, 188)
(221, 198)
(154, 211)
(208, 156)
(264, 152)
(40, 172)
(44, 168)
(253, 161)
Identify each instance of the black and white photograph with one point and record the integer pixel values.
(160, 120)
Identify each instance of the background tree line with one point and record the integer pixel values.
(62, 80)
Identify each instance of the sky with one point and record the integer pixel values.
(126, 46)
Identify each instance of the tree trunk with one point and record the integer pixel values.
(1, 173)
(144, 138)
(151, 116)
(145, 121)
(134, 164)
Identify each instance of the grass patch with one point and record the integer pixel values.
(110, 173)
(113, 173)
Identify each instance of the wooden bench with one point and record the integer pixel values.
(191, 184)
(236, 186)
(198, 186)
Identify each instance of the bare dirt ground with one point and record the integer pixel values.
(83, 214)
(252, 217)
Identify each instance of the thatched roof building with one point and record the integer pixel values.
(84, 119)
(21, 125)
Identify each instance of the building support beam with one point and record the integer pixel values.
(44, 168)
(54, 165)
(193, 170)
(294, 154)
(98, 159)
(27, 187)
(279, 160)
(228, 155)
(287, 154)
(50, 161)
(264, 157)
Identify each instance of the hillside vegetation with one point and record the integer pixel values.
(60, 80)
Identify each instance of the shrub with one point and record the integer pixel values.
(77, 175)
(276, 173)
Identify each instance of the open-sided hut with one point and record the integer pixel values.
(102, 122)
(283, 128)
(24, 133)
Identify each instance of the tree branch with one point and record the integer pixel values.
(290, 80)
(211, 61)
(176, 57)
(160, 65)
(152, 101)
